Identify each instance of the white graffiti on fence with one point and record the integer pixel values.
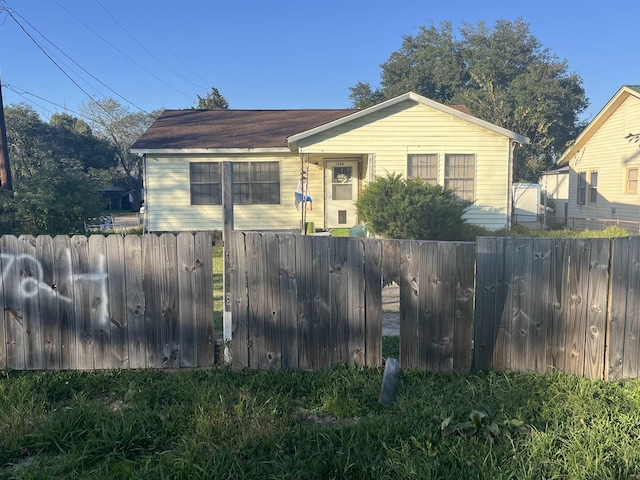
(31, 283)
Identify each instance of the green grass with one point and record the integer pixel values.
(218, 287)
(325, 424)
(520, 231)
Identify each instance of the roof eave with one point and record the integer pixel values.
(597, 122)
(416, 98)
(150, 151)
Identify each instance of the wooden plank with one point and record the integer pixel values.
(338, 285)
(203, 242)
(631, 354)
(446, 303)
(464, 307)
(356, 301)
(597, 308)
(501, 359)
(30, 279)
(97, 278)
(66, 301)
(321, 304)
(487, 319)
(521, 293)
(373, 301)
(409, 293)
(239, 301)
(48, 300)
(579, 251)
(264, 310)
(14, 303)
(170, 301)
(187, 295)
(84, 340)
(153, 309)
(117, 302)
(616, 312)
(559, 291)
(288, 301)
(541, 305)
(136, 330)
(5, 265)
(306, 339)
(428, 324)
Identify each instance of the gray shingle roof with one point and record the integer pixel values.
(211, 129)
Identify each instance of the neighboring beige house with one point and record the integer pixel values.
(603, 165)
(339, 151)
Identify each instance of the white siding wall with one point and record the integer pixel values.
(168, 198)
(610, 154)
(408, 127)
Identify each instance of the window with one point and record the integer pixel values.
(205, 183)
(593, 188)
(459, 174)
(256, 183)
(632, 181)
(582, 188)
(424, 166)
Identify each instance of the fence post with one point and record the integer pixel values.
(227, 218)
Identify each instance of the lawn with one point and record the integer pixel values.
(327, 424)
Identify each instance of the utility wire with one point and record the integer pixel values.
(144, 48)
(168, 46)
(118, 50)
(78, 65)
(56, 63)
(24, 93)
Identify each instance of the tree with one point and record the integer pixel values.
(395, 207)
(112, 121)
(213, 101)
(502, 74)
(56, 185)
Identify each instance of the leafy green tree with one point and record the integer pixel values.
(55, 187)
(213, 100)
(395, 207)
(114, 122)
(58, 200)
(502, 74)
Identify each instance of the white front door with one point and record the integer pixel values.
(341, 192)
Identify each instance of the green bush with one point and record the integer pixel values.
(395, 207)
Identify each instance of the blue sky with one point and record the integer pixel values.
(273, 54)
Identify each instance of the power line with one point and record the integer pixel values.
(78, 65)
(54, 62)
(143, 47)
(168, 46)
(120, 51)
(23, 93)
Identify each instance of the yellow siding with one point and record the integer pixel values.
(168, 196)
(610, 154)
(408, 127)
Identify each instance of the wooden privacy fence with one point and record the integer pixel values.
(307, 301)
(106, 302)
(570, 304)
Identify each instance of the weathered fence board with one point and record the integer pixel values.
(464, 307)
(310, 301)
(81, 303)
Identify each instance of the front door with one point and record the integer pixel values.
(341, 192)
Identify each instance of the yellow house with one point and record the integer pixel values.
(326, 156)
(603, 165)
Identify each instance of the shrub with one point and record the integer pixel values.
(395, 207)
